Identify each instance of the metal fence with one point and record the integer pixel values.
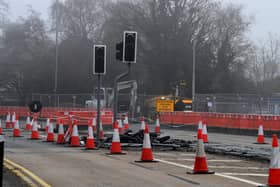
(237, 103)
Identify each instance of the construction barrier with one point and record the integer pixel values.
(81, 114)
(222, 120)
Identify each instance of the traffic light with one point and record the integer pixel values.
(119, 53)
(130, 46)
(99, 59)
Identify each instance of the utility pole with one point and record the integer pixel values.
(193, 72)
(56, 53)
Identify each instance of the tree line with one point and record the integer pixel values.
(169, 31)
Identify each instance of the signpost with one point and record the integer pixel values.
(163, 105)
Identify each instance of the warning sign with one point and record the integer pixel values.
(165, 105)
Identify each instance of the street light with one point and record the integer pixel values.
(56, 53)
(193, 72)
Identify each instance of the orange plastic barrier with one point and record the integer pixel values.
(223, 120)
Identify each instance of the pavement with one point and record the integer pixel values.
(60, 165)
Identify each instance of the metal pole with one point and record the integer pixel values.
(1, 159)
(98, 108)
(193, 73)
(119, 77)
(56, 52)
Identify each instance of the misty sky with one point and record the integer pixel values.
(266, 13)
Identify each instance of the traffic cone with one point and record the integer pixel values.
(125, 122)
(260, 139)
(35, 134)
(90, 138)
(8, 121)
(60, 136)
(157, 128)
(16, 131)
(28, 126)
(274, 169)
(1, 129)
(116, 145)
(142, 123)
(47, 125)
(200, 164)
(50, 136)
(101, 132)
(75, 140)
(147, 154)
(204, 132)
(120, 125)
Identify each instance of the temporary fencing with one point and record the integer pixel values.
(222, 120)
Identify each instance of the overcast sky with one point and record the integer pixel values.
(265, 12)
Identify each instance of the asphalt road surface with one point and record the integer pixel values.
(60, 165)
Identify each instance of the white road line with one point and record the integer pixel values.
(237, 167)
(187, 154)
(247, 174)
(217, 174)
(190, 159)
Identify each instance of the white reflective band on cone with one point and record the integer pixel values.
(75, 131)
(260, 130)
(275, 159)
(200, 149)
(200, 124)
(147, 142)
(60, 129)
(116, 136)
(50, 129)
(204, 129)
(90, 132)
(34, 126)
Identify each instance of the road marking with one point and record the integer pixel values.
(190, 159)
(217, 174)
(236, 167)
(187, 154)
(29, 173)
(19, 174)
(248, 174)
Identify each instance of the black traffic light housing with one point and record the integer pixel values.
(99, 59)
(119, 53)
(130, 46)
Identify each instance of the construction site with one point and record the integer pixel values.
(148, 93)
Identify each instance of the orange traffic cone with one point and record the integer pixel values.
(157, 128)
(28, 126)
(125, 122)
(1, 129)
(90, 139)
(120, 125)
(260, 139)
(8, 122)
(75, 140)
(147, 154)
(204, 132)
(101, 132)
(16, 131)
(50, 136)
(116, 145)
(200, 164)
(60, 136)
(35, 133)
(274, 170)
(142, 123)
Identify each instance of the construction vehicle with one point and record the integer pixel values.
(127, 102)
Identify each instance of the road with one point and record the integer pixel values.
(60, 165)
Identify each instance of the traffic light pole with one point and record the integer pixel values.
(98, 109)
(118, 78)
